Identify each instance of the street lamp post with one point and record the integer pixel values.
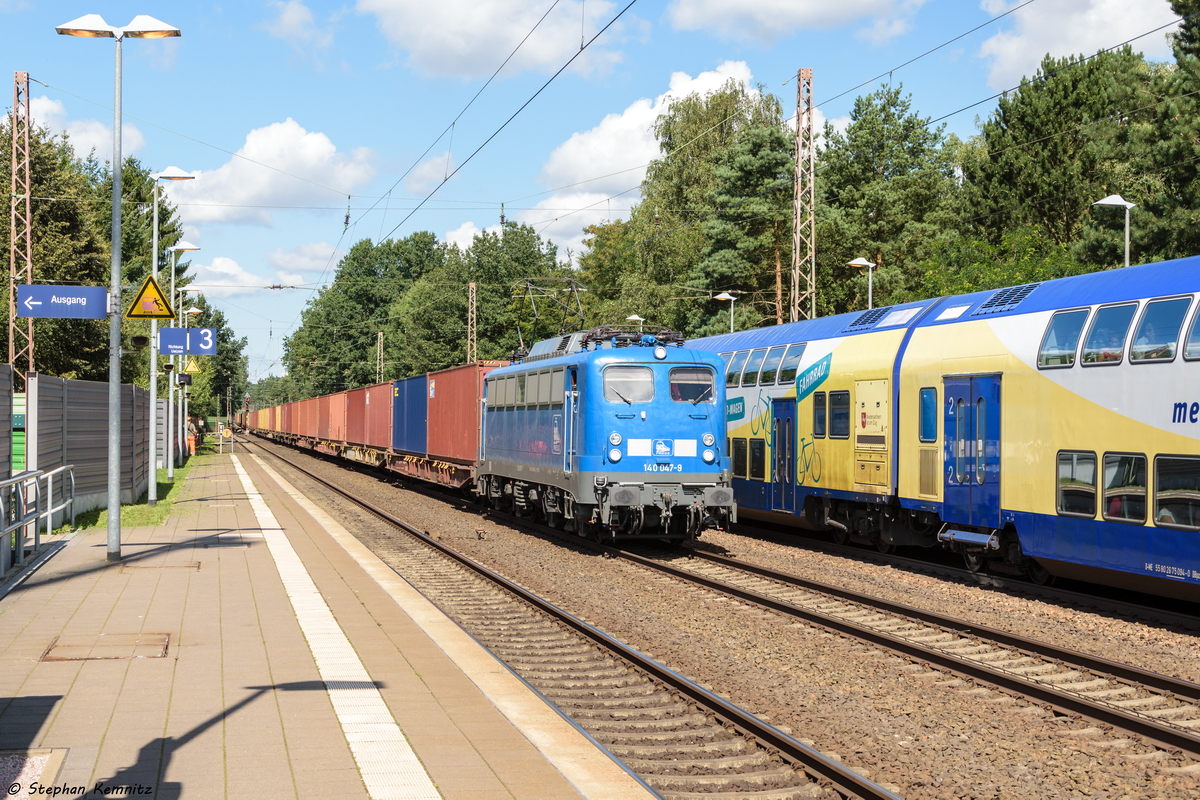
(860, 263)
(1117, 200)
(169, 174)
(727, 296)
(93, 26)
(177, 249)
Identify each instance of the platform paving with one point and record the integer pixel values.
(250, 647)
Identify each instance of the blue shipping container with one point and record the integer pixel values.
(410, 407)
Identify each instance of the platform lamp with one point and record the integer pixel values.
(93, 26)
(180, 247)
(168, 174)
(730, 297)
(860, 263)
(637, 319)
(1117, 200)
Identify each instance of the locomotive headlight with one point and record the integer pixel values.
(708, 439)
(709, 456)
(614, 455)
(660, 352)
(614, 438)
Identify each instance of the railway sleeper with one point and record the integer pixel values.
(716, 735)
(771, 777)
(718, 749)
(754, 758)
(690, 722)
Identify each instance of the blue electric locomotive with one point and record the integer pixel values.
(611, 434)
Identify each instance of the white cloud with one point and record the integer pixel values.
(465, 234)
(563, 216)
(224, 277)
(280, 165)
(294, 24)
(473, 37)
(429, 173)
(313, 257)
(767, 20)
(86, 135)
(1069, 27)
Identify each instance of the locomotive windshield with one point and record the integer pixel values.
(692, 385)
(628, 385)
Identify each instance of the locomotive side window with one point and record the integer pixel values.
(543, 395)
(510, 390)
(739, 458)
(1177, 491)
(839, 415)
(520, 398)
(750, 376)
(1124, 487)
(770, 367)
(556, 387)
(758, 459)
(1077, 484)
(929, 415)
(733, 376)
(1158, 332)
(692, 385)
(1062, 337)
(1106, 338)
(531, 388)
(819, 415)
(791, 363)
(628, 384)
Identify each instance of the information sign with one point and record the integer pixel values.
(62, 302)
(187, 341)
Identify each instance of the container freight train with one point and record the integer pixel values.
(1051, 429)
(610, 434)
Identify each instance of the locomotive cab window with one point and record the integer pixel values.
(750, 376)
(1124, 487)
(628, 385)
(1106, 338)
(1062, 338)
(770, 367)
(1077, 484)
(1158, 332)
(791, 363)
(733, 375)
(839, 415)
(1177, 492)
(929, 415)
(692, 385)
(819, 415)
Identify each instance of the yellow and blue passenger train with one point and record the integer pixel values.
(1051, 429)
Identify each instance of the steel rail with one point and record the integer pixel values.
(844, 780)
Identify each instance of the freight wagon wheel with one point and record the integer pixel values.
(974, 561)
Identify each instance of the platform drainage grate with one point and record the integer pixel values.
(108, 646)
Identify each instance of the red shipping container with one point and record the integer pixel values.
(308, 418)
(454, 396)
(337, 417)
(378, 432)
(271, 412)
(323, 417)
(285, 418)
(356, 416)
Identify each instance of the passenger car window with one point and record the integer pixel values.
(692, 385)
(1177, 491)
(1077, 484)
(758, 459)
(1062, 337)
(839, 415)
(819, 415)
(770, 367)
(1158, 332)
(1192, 349)
(733, 376)
(1124, 487)
(739, 458)
(791, 363)
(750, 376)
(628, 384)
(929, 407)
(1106, 338)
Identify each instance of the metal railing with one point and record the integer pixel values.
(25, 499)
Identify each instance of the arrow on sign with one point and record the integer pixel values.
(30, 303)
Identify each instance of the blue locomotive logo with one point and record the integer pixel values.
(811, 378)
(663, 448)
(735, 408)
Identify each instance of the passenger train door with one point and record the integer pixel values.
(783, 448)
(972, 463)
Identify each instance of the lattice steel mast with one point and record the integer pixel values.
(20, 240)
(804, 231)
(472, 353)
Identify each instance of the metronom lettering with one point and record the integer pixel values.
(1185, 413)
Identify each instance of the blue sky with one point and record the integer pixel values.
(290, 113)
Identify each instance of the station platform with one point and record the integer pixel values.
(251, 647)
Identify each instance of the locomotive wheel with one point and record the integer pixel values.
(974, 562)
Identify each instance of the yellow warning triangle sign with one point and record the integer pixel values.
(193, 365)
(150, 303)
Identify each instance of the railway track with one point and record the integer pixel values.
(682, 740)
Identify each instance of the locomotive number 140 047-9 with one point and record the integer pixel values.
(662, 467)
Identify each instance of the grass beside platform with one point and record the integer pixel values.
(140, 514)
